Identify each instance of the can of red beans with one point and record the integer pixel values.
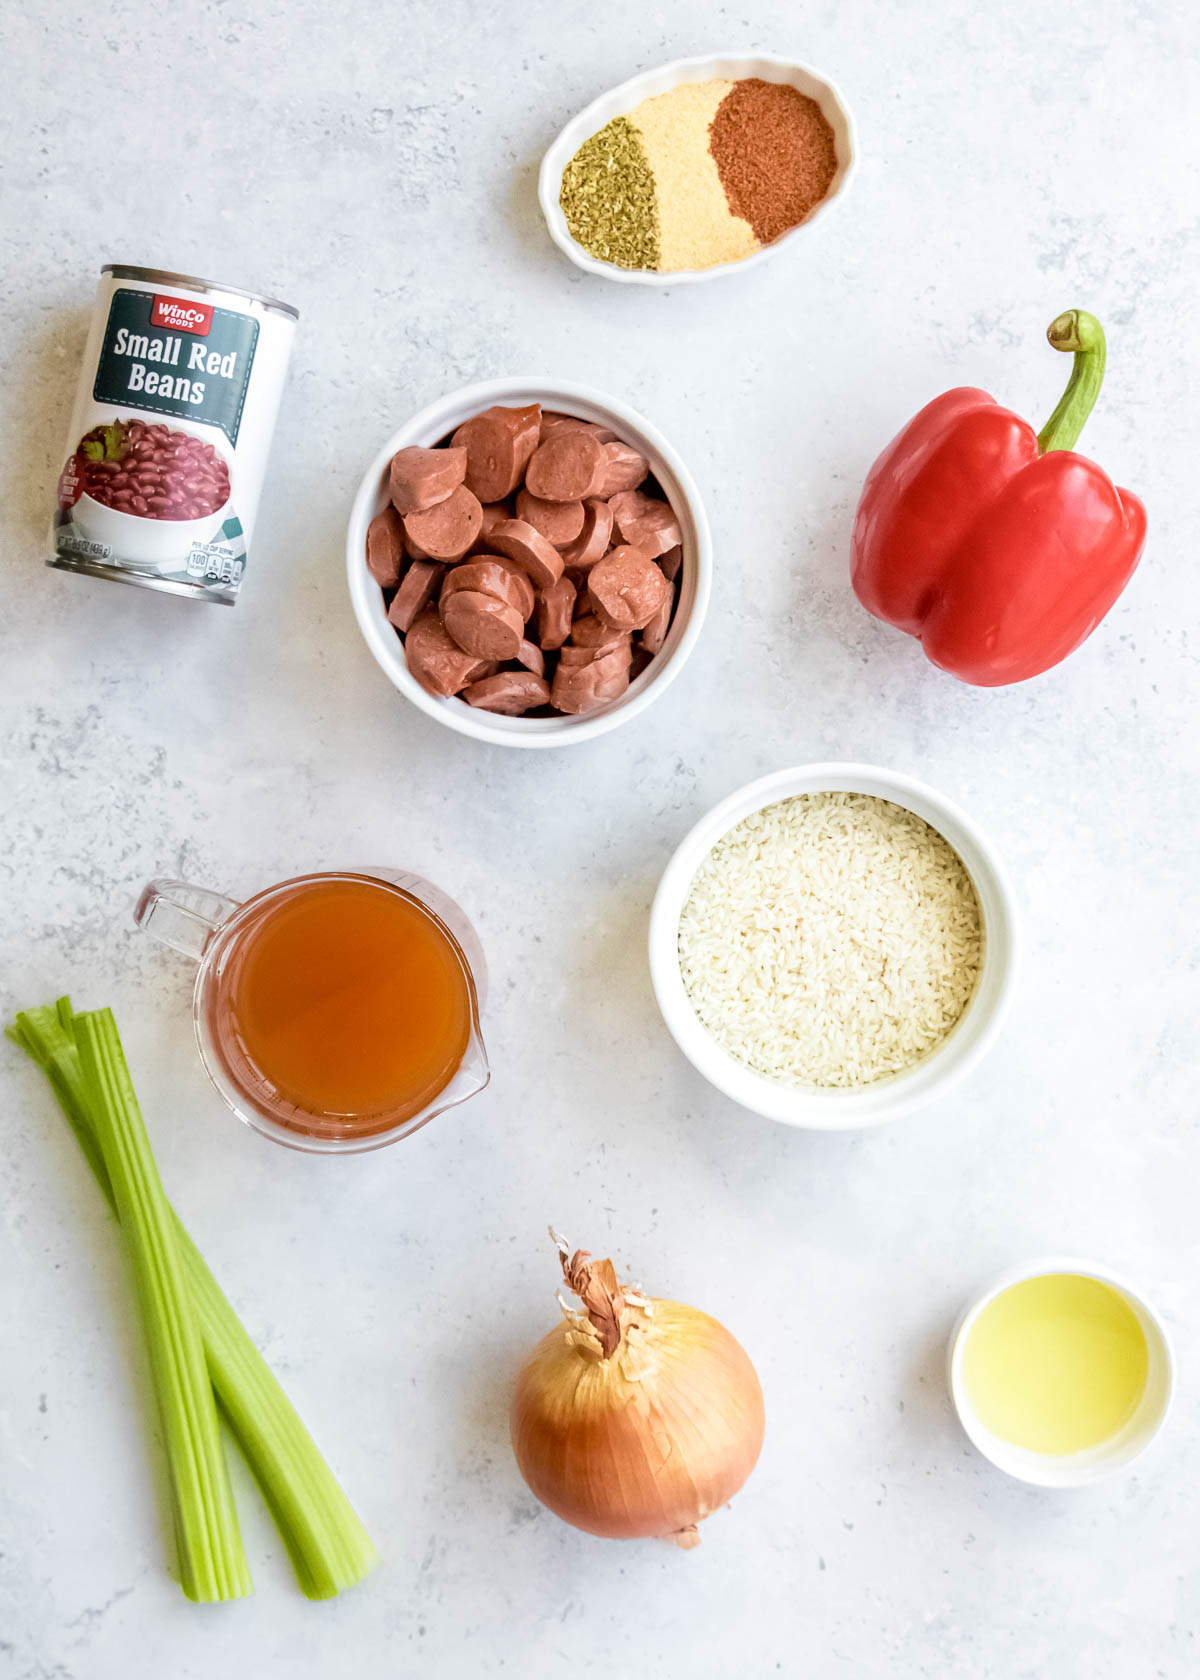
(169, 438)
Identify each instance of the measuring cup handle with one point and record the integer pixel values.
(182, 916)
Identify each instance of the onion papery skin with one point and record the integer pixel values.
(647, 1442)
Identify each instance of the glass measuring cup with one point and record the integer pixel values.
(226, 938)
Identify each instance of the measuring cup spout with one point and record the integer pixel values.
(182, 916)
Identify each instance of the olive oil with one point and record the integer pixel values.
(1057, 1364)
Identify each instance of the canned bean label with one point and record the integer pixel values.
(170, 434)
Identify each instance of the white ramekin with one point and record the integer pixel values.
(866, 1105)
(432, 424)
(620, 100)
(1110, 1458)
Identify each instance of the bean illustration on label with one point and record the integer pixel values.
(147, 470)
(171, 506)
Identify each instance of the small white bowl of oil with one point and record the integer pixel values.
(1061, 1372)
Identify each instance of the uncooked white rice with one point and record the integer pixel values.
(831, 939)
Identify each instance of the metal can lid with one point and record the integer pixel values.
(120, 272)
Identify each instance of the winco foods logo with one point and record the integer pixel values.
(182, 317)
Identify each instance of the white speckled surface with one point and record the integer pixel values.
(377, 168)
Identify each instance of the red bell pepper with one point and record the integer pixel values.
(1000, 550)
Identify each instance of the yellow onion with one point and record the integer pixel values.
(634, 1417)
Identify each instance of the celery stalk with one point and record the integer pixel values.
(328, 1546)
(212, 1563)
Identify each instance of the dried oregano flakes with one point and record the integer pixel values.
(609, 200)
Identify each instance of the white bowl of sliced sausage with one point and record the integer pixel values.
(529, 562)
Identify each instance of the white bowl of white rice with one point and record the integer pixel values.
(834, 946)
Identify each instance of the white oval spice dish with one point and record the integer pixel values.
(620, 101)
(745, 956)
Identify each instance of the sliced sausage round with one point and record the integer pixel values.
(493, 576)
(530, 655)
(647, 521)
(510, 692)
(581, 688)
(498, 444)
(493, 513)
(624, 468)
(593, 540)
(482, 625)
(626, 588)
(559, 522)
(413, 549)
(446, 530)
(622, 642)
(553, 421)
(590, 631)
(420, 478)
(417, 588)
(654, 634)
(435, 659)
(555, 606)
(520, 542)
(385, 548)
(583, 607)
(566, 467)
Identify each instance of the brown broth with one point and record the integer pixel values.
(345, 1001)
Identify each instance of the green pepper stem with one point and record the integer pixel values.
(1082, 333)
